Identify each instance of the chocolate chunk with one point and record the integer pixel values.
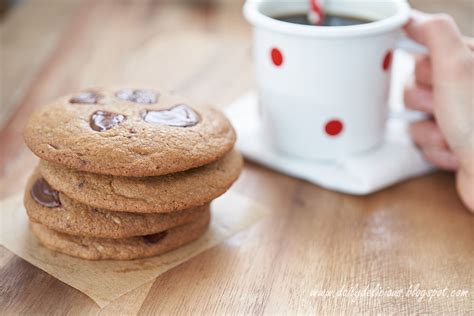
(138, 96)
(44, 194)
(179, 115)
(155, 238)
(87, 97)
(102, 120)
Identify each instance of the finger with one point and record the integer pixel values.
(440, 157)
(423, 73)
(469, 41)
(437, 32)
(427, 134)
(464, 181)
(418, 98)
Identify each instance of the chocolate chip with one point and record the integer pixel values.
(179, 115)
(138, 96)
(102, 120)
(87, 97)
(155, 238)
(53, 146)
(44, 194)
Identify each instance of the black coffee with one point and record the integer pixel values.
(329, 20)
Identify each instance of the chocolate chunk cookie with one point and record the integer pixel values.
(166, 193)
(128, 132)
(57, 211)
(124, 248)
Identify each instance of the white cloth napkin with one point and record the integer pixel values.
(395, 160)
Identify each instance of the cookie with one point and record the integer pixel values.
(128, 132)
(124, 248)
(57, 211)
(166, 193)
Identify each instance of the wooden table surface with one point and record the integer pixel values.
(416, 233)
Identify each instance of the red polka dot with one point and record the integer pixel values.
(277, 57)
(387, 60)
(333, 127)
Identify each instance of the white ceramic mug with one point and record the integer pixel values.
(323, 91)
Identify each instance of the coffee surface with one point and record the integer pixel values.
(329, 20)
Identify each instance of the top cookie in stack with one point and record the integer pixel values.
(141, 164)
(133, 133)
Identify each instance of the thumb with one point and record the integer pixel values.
(437, 32)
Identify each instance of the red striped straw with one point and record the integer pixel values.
(316, 12)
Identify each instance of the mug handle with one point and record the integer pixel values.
(411, 46)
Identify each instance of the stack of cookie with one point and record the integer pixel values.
(126, 173)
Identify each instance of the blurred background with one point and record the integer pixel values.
(197, 47)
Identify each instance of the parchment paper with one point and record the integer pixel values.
(105, 281)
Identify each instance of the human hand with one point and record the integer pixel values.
(443, 86)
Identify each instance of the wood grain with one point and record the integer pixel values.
(315, 239)
(26, 46)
